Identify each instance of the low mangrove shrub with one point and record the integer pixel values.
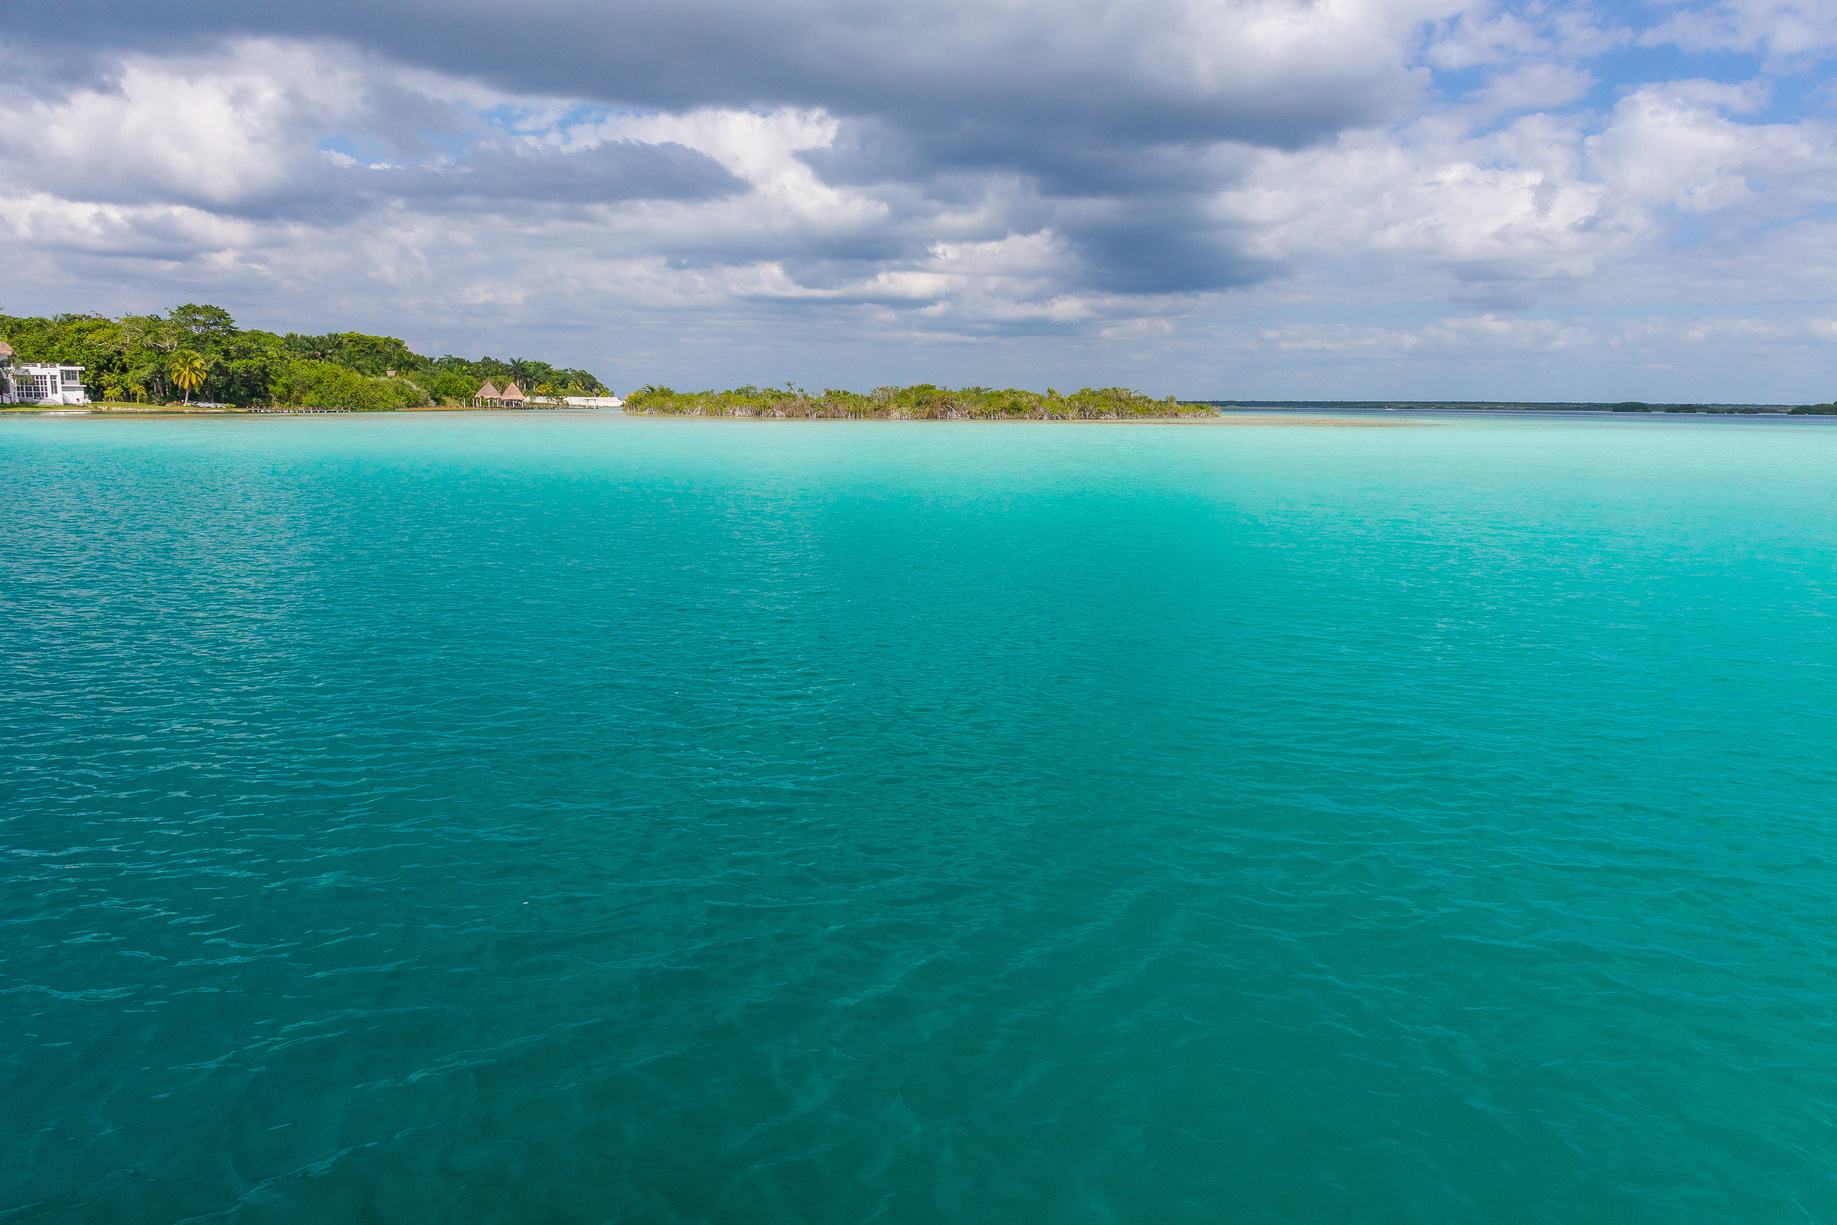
(924, 401)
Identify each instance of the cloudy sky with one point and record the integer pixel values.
(1257, 198)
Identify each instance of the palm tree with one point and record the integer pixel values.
(138, 392)
(188, 371)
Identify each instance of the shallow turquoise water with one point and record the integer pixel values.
(581, 819)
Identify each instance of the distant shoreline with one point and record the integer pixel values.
(1237, 412)
(1623, 408)
(1267, 419)
(174, 411)
(179, 410)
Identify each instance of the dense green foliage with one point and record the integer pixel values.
(1818, 410)
(135, 358)
(324, 385)
(923, 401)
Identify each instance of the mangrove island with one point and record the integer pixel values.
(921, 402)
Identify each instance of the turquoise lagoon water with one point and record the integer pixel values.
(583, 819)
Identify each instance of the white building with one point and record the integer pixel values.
(594, 402)
(40, 383)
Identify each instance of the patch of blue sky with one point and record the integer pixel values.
(1780, 95)
(1816, 212)
(365, 149)
(1724, 310)
(1465, 87)
(1638, 14)
(1454, 83)
(1689, 230)
(1792, 98)
(1632, 66)
(525, 120)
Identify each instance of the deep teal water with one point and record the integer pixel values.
(581, 819)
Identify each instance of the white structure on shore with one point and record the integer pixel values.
(593, 401)
(39, 382)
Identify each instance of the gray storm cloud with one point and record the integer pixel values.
(1097, 106)
(984, 73)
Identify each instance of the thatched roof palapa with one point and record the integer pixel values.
(487, 391)
(510, 392)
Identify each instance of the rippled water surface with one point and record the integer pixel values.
(571, 818)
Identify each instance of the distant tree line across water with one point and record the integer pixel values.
(146, 358)
(1635, 406)
(1558, 406)
(923, 401)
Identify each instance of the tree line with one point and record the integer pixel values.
(198, 352)
(923, 401)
